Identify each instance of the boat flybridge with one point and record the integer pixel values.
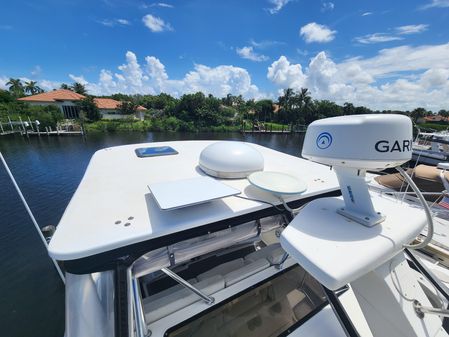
(203, 238)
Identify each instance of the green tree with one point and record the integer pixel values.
(6, 97)
(65, 86)
(443, 113)
(325, 109)
(128, 108)
(79, 88)
(32, 88)
(348, 108)
(264, 110)
(89, 109)
(303, 107)
(15, 87)
(418, 113)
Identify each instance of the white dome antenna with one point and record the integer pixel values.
(354, 144)
(230, 160)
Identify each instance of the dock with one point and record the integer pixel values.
(264, 128)
(31, 128)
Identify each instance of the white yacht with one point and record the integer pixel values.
(431, 148)
(204, 238)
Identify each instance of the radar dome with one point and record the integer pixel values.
(229, 159)
(374, 141)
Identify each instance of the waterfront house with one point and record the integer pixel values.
(110, 109)
(66, 101)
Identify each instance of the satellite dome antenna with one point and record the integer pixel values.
(354, 144)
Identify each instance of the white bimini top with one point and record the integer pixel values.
(113, 206)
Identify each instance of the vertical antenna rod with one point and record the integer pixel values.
(19, 192)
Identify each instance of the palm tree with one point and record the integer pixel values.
(15, 86)
(79, 88)
(285, 100)
(302, 103)
(32, 88)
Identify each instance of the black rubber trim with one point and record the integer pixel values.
(121, 301)
(341, 313)
(108, 260)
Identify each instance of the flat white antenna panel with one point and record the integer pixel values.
(187, 192)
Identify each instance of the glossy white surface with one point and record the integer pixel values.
(188, 192)
(115, 189)
(337, 250)
(373, 141)
(277, 182)
(230, 159)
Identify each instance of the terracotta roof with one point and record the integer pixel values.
(435, 118)
(53, 96)
(68, 95)
(106, 103)
(112, 104)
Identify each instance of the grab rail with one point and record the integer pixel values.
(180, 280)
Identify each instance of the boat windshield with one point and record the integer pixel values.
(271, 309)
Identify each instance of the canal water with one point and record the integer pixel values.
(48, 170)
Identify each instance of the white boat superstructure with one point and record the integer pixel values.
(260, 263)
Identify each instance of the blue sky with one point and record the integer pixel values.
(382, 54)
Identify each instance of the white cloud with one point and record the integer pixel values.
(248, 53)
(156, 24)
(367, 13)
(377, 38)
(405, 59)
(277, 5)
(79, 79)
(152, 78)
(396, 36)
(285, 75)
(435, 77)
(265, 44)
(437, 4)
(114, 22)
(3, 80)
(123, 21)
(380, 82)
(314, 32)
(48, 85)
(327, 6)
(158, 4)
(411, 29)
(37, 70)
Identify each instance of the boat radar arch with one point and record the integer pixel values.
(354, 144)
(326, 236)
(230, 159)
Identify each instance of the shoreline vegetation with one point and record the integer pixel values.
(194, 112)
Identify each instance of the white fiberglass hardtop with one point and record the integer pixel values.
(113, 206)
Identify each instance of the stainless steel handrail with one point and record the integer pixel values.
(208, 299)
(141, 326)
(421, 310)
